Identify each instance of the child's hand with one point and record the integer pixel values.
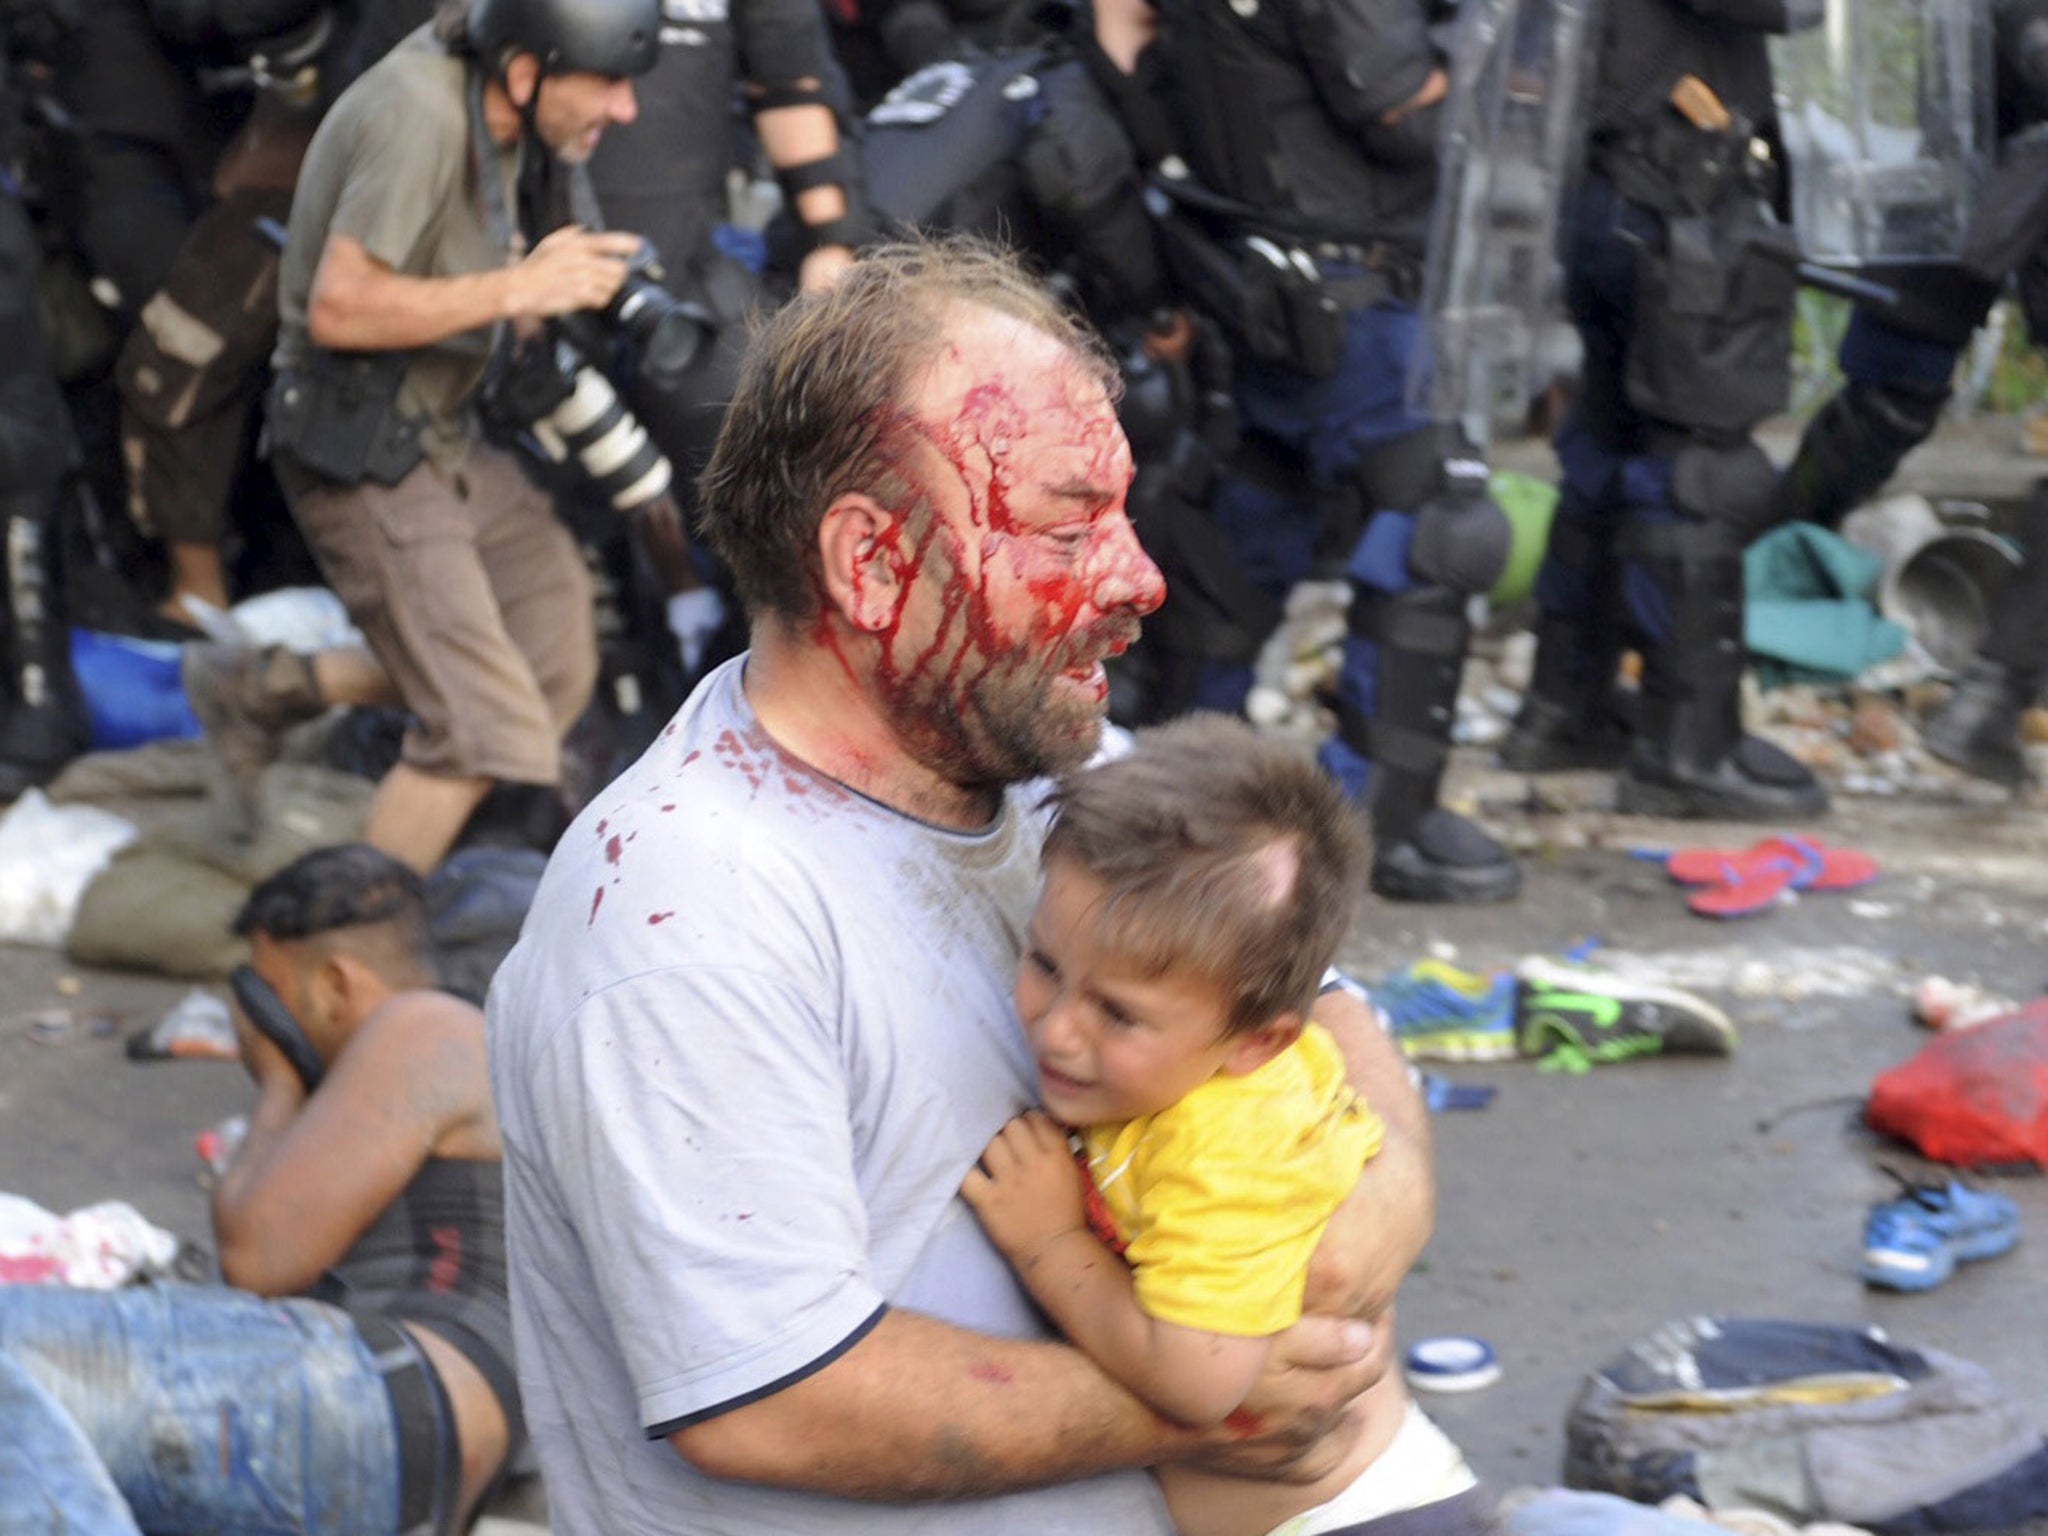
(1026, 1189)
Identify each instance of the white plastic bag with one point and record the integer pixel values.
(48, 855)
(305, 619)
(97, 1247)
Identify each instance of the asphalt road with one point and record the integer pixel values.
(1576, 1211)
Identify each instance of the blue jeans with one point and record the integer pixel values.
(174, 1409)
(1329, 423)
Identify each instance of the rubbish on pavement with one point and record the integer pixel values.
(1442, 1013)
(1813, 1421)
(1814, 865)
(1941, 1004)
(97, 1247)
(1576, 1017)
(198, 1027)
(1973, 1098)
(1451, 1363)
(1914, 1242)
(218, 1144)
(1440, 1094)
(48, 855)
(1739, 883)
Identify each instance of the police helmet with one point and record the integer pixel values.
(618, 38)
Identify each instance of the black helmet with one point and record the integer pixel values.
(618, 38)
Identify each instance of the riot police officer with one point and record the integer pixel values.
(1300, 198)
(42, 719)
(1898, 364)
(1680, 279)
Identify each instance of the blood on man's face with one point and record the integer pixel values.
(1018, 570)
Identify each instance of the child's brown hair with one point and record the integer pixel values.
(1221, 853)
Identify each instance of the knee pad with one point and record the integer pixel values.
(1732, 486)
(1462, 539)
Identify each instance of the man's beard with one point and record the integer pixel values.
(1012, 723)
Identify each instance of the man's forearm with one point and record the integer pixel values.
(1382, 1227)
(803, 135)
(1191, 1376)
(237, 1235)
(922, 1410)
(387, 312)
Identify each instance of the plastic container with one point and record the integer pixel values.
(132, 690)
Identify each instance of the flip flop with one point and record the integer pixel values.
(1816, 867)
(1753, 886)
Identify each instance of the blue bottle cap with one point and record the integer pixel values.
(1451, 1363)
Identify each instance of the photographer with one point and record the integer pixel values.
(407, 281)
(359, 1378)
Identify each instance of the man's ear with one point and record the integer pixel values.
(1255, 1047)
(860, 553)
(522, 78)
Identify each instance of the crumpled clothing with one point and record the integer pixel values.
(96, 1247)
(1808, 616)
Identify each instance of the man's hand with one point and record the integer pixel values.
(572, 269)
(823, 268)
(1027, 1190)
(1433, 90)
(1294, 1426)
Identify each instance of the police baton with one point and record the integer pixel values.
(1857, 290)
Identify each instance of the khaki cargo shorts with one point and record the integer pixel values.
(476, 600)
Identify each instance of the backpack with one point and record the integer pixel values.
(1809, 1421)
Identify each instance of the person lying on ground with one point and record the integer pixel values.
(1195, 893)
(355, 1373)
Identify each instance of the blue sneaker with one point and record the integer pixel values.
(1914, 1243)
(1441, 1013)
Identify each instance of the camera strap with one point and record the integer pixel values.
(500, 221)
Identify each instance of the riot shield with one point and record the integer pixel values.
(1886, 112)
(1514, 128)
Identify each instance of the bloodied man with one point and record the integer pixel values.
(759, 1025)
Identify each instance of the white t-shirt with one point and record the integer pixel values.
(754, 1033)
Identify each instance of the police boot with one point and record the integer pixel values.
(44, 722)
(1421, 852)
(1978, 729)
(1691, 757)
(1853, 445)
(1572, 716)
(246, 698)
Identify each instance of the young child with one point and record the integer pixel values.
(1195, 894)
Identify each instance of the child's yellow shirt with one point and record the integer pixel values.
(1220, 1199)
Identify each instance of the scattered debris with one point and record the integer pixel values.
(1941, 1004)
(98, 1247)
(198, 1027)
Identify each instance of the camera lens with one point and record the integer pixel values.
(665, 332)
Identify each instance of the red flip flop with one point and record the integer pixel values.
(1751, 886)
(1815, 866)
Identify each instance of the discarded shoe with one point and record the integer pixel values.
(1575, 1018)
(1440, 1013)
(1748, 890)
(1914, 1243)
(1814, 865)
(198, 1028)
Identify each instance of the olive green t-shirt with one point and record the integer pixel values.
(391, 167)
